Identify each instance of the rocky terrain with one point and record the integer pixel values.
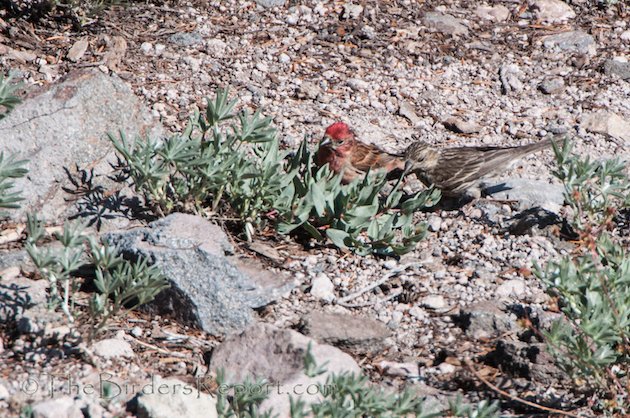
(462, 310)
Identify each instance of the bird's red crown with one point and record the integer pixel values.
(338, 130)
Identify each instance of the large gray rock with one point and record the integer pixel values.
(208, 289)
(277, 355)
(346, 331)
(23, 302)
(166, 398)
(17, 295)
(444, 23)
(574, 41)
(528, 193)
(607, 123)
(65, 126)
(617, 68)
(18, 259)
(186, 39)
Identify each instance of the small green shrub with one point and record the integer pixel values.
(228, 165)
(595, 190)
(8, 99)
(121, 285)
(592, 286)
(230, 169)
(10, 167)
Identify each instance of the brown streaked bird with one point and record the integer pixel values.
(457, 171)
(345, 153)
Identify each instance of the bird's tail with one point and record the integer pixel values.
(536, 146)
(497, 159)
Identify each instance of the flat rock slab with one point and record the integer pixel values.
(65, 126)
(23, 302)
(346, 331)
(277, 355)
(209, 290)
(444, 23)
(528, 193)
(18, 295)
(113, 348)
(617, 68)
(574, 41)
(607, 123)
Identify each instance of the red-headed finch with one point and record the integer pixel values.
(345, 154)
(457, 171)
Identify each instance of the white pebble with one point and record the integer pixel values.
(159, 48)
(322, 288)
(446, 368)
(397, 316)
(434, 302)
(514, 287)
(146, 48)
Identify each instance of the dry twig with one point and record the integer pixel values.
(344, 301)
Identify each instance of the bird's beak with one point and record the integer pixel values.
(408, 167)
(325, 141)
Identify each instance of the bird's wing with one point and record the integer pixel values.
(365, 156)
(459, 167)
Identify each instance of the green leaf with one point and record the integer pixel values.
(8, 99)
(319, 200)
(338, 237)
(366, 211)
(312, 231)
(286, 228)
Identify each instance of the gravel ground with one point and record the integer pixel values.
(380, 67)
